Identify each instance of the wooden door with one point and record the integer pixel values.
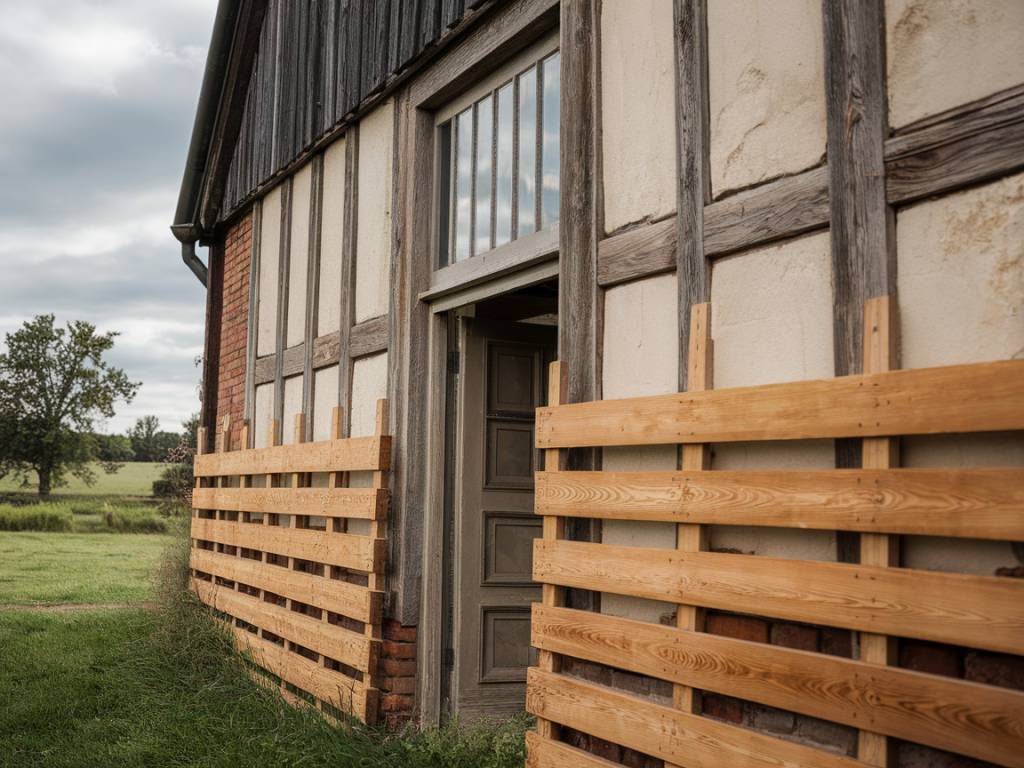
(504, 367)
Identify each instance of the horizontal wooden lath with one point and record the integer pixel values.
(965, 398)
(679, 738)
(976, 611)
(545, 753)
(348, 455)
(895, 702)
(341, 597)
(340, 549)
(360, 503)
(325, 684)
(973, 503)
(344, 645)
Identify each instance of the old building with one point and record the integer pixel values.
(429, 201)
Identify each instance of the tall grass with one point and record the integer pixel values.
(37, 517)
(191, 652)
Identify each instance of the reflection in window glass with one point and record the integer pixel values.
(527, 145)
(503, 170)
(499, 165)
(550, 153)
(482, 192)
(463, 183)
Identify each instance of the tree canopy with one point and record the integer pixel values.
(54, 384)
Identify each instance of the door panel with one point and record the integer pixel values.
(502, 382)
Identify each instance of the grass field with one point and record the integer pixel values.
(50, 568)
(132, 479)
(159, 684)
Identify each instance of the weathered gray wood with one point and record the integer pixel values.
(774, 211)
(250, 342)
(348, 277)
(526, 251)
(693, 177)
(265, 369)
(368, 337)
(863, 251)
(281, 326)
(327, 350)
(293, 360)
(962, 146)
(312, 292)
(580, 298)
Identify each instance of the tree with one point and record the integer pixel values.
(143, 438)
(54, 383)
(176, 481)
(114, 448)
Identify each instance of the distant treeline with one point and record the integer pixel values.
(145, 441)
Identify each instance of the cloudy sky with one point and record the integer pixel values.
(99, 98)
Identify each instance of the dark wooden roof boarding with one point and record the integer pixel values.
(272, 92)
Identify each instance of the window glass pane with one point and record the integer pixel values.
(482, 219)
(549, 166)
(444, 191)
(503, 171)
(527, 171)
(463, 183)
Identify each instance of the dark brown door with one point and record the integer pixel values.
(504, 369)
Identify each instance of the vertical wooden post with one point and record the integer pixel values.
(375, 579)
(244, 481)
(299, 433)
(695, 458)
(555, 459)
(201, 437)
(879, 549)
(338, 479)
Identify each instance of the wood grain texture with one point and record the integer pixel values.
(677, 737)
(693, 161)
(352, 454)
(862, 225)
(980, 397)
(978, 611)
(369, 337)
(967, 503)
(339, 690)
(545, 753)
(338, 643)
(981, 721)
(334, 595)
(644, 251)
(361, 503)
(341, 549)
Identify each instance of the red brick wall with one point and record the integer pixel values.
(398, 673)
(237, 255)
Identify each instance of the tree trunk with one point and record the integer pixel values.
(44, 481)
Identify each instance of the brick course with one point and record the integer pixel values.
(398, 673)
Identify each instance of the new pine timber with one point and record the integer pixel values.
(341, 549)
(977, 611)
(362, 503)
(680, 738)
(335, 595)
(331, 640)
(968, 503)
(350, 455)
(981, 397)
(545, 753)
(981, 721)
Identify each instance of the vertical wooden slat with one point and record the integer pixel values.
(695, 457)
(880, 355)
(348, 274)
(375, 579)
(693, 178)
(555, 459)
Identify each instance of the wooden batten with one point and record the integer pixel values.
(259, 562)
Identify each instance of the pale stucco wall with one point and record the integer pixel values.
(766, 76)
(292, 407)
(325, 398)
(942, 53)
(369, 384)
(263, 412)
(641, 358)
(298, 256)
(961, 293)
(637, 111)
(269, 283)
(771, 321)
(332, 232)
(373, 233)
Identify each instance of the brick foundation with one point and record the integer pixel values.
(234, 307)
(397, 674)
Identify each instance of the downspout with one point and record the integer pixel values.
(193, 262)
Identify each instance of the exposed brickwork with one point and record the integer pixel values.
(237, 255)
(398, 673)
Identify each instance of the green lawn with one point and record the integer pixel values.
(47, 568)
(132, 479)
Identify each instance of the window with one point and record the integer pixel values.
(498, 160)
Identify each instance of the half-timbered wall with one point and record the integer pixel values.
(786, 223)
